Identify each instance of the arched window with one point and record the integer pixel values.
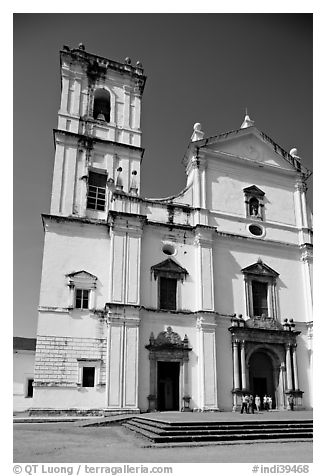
(102, 105)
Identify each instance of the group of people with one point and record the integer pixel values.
(249, 403)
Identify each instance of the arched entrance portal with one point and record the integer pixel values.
(261, 376)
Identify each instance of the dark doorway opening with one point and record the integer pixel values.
(261, 377)
(260, 387)
(168, 386)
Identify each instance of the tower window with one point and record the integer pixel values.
(168, 293)
(88, 378)
(82, 298)
(102, 105)
(96, 193)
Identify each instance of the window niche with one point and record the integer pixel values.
(82, 287)
(254, 202)
(88, 372)
(169, 276)
(260, 286)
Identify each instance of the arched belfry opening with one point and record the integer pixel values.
(102, 105)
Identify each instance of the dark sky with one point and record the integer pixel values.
(203, 68)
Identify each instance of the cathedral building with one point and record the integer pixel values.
(182, 303)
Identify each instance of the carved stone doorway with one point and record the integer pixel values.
(168, 379)
(261, 376)
(168, 387)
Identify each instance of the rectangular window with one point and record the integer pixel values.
(168, 293)
(259, 298)
(30, 388)
(96, 191)
(88, 376)
(82, 298)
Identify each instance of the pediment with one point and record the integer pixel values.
(81, 274)
(253, 145)
(169, 268)
(253, 190)
(260, 269)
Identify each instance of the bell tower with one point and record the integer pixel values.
(98, 139)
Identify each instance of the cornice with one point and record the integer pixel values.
(72, 219)
(93, 139)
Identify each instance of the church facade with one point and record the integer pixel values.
(183, 303)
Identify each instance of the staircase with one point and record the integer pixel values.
(158, 431)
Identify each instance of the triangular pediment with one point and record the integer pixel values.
(169, 267)
(81, 275)
(253, 145)
(253, 190)
(260, 269)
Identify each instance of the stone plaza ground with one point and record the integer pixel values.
(73, 442)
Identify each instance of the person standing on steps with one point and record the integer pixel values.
(245, 402)
(291, 401)
(257, 403)
(265, 403)
(251, 404)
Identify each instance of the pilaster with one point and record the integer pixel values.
(207, 384)
(122, 358)
(205, 272)
(307, 265)
(126, 235)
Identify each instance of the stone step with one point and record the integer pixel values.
(162, 423)
(214, 430)
(222, 425)
(220, 437)
(166, 432)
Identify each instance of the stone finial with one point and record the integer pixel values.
(247, 122)
(198, 134)
(127, 60)
(294, 153)
(81, 46)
